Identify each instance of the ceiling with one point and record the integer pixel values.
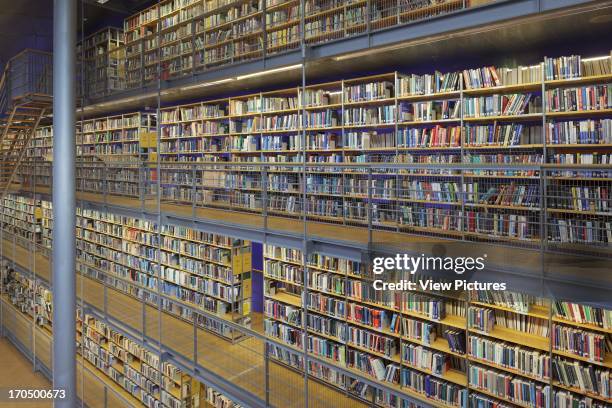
(29, 23)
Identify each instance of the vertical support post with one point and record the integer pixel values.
(64, 205)
(195, 342)
(267, 372)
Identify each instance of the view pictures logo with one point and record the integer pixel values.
(414, 264)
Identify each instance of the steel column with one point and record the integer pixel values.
(64, 204)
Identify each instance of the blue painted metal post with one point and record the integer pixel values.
(63, 283)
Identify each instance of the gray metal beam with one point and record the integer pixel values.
(64, 203)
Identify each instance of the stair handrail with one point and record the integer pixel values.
(30, 73)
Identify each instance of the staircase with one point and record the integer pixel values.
(25, 99)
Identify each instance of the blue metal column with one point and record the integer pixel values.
(64, 214)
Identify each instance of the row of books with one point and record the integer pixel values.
(586, 98)
(579, 198)
(590, 131)
(584, 314)
(510, 388)
(590, 345)
(587, 378)
(490, 76)
(526, 361)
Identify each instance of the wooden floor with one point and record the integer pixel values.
(241, 363)
(16, 372)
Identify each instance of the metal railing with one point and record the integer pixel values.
(547, 207)
(29, 73)
(131, 309)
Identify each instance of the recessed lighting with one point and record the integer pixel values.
(205, 84)
(605, 18)
(270, 71)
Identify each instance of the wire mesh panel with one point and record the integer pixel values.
(30, 72)
(578, 210)
(282, 26)
(324, 20)
(383, 13)
(414, 10)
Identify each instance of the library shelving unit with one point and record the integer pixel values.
(447, 348)
(115, 137)
(103, 56)
(444, 348)
(483, 117)
(28, 297)
(138, 370)
(181, 36)
(282, 25)
(113, 355)
(371, 333)
(578, 122)
(19, 217)
(185, 36)
(205, 271)
(123, 138)
(129, 139)
(512, 125)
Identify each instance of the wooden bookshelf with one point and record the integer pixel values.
(283, 271)
(136, 373)
(282, 308)
(212, 275)
(528, 308)
(416, 118)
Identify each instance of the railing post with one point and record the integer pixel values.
(267, 372)
(264, 196)
(369, 206)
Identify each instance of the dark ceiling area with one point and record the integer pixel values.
(29, 23)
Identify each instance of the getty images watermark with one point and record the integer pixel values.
(405, 263)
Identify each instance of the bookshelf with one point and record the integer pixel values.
(187, 36)
(373, 334)
(577, 131)
(544, 350)
(114, 356)
(140, 371)
(206, 271)
(129, 139)
(29, 297)
(466, 341)
(102, 55)
(203, 270)
(18, 217)
(479, 116)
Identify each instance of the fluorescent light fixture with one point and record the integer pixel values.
(270, 71)
(596, 58)
(102, 1)
(373, 51)
(335, 93)
(205, 84)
